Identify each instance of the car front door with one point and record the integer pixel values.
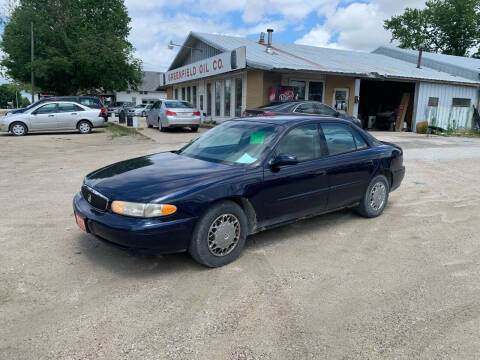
(67, 115)
(44, 117)
(350, 164)
(292, 191)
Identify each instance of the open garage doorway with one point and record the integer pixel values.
(380, 102)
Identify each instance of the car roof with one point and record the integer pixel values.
(291, 119)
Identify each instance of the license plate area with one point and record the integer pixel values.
(81, 222)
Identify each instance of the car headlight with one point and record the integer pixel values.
(142, 210)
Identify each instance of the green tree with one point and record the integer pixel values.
(80, 45)
(445, 26)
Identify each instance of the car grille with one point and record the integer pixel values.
(94, 198)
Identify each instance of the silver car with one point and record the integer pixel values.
(58, 115)
(173, 113)
(142, 109)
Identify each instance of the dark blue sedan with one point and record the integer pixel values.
(243, 176)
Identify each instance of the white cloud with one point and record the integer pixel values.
(358, 25)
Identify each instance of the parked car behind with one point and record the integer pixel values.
(115, 107)
(241, 177)
(167, 114)
(92, 102)
(300, 107)
(55, 115)
(142, 109)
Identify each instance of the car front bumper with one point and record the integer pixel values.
(161, 236)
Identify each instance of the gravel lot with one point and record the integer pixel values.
(404, 285)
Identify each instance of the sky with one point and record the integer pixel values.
(347, 24)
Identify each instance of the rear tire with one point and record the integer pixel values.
(194, 128)
(220, 235)
(375, 198)
(18, 129)
(84, 127)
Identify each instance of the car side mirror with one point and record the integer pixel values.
(283, 159)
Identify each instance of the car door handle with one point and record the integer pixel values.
(321, 172)
(73, 114)
(368, 162)
(51, 115)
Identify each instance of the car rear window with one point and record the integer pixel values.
(178, 105)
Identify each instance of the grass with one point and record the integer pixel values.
(118, 131)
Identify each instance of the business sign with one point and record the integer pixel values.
(215, 65)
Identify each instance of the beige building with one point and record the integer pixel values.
(224, 75)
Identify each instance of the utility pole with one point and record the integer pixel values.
(32, 79)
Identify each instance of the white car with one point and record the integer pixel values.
(142, 109)
(55, 115)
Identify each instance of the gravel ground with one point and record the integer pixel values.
(404, 285)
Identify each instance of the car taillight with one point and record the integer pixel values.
(100, 114)
(168, 112)
(196, 113)
(102, 109)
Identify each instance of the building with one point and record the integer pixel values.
(223, 75)
(440, 103)
(149, 91)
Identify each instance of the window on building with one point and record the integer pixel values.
(194, 96)
(459, 102)
(189, 96)
(209, 99)
(201, 102)
(176, 94)
(218, 89)
(227, 94)
(238, 97)
(433, 101)
(300, 85)
(315, 91)
(183, 93)
(303, 142)
(339, 139)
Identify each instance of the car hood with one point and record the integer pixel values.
(153, 177)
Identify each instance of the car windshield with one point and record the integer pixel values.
(177, 105)
(233, 142)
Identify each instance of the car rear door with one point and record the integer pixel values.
(44, 117)
(350, 164)
(68, 115)
(293, 191)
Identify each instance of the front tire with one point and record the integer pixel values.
(375, 198)
(18, 129)
(84, 127)
(219, 235)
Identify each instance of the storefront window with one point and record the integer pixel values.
(183, 93)
(176, 94)
(209, 99)
(300, 85)
(189, 97)
(227, 92)
(238, 97)
(201, 102)
(194, 96)
(218, 86)
(315, 91)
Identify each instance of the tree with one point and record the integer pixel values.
(80, 45)
(445, 26)
(9, 93)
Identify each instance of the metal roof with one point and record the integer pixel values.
(456, 65)
(296, 57)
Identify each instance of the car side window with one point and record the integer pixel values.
(302, 141)
(68, 108)
(339, 138)
(359, 140)
(325, 110)
(307, 108)
(47, 109)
